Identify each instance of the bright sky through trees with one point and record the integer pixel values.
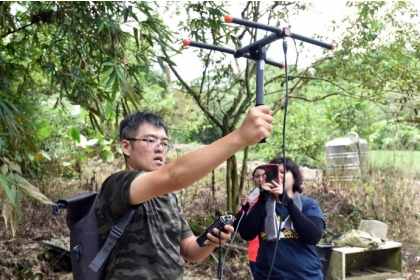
(316, 21)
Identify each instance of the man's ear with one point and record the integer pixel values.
(126, 147)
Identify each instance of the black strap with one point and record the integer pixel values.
(115, 233)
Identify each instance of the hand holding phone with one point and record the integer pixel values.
(272, 173)
(219, 224)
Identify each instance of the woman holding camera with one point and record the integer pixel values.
(295, 221)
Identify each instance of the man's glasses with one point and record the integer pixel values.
(153, 144)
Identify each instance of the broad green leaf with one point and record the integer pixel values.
(74, 134)
(44, 132)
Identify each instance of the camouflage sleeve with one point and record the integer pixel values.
(185, 228)
(114, 195)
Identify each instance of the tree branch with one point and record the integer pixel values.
(192, 92)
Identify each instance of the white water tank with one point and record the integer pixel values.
(346, 158)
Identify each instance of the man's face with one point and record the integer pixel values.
(143, 153)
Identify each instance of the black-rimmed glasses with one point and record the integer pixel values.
(153, 144)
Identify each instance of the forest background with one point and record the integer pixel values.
(70, 71)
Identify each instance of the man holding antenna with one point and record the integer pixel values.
(158, 238)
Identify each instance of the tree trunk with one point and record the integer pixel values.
(232, 185)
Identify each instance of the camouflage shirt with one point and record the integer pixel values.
(150, 246)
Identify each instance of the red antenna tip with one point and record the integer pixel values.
(186, 42)
(228, 19)
(332, 47)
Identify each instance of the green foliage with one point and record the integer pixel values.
(345, 114)
(378, 58)
(12, 187)
(96, 55)
(81, 51)
(309, 126)
(394, 136)
(53, 55)
(396, 160)
(305, 136)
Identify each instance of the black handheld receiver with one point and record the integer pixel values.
(219, 224)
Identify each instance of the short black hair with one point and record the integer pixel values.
(130, 125)
(256, 168)
(290, 165)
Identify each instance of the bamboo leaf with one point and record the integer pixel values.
(27, 188)
(125, 14)
(4, 182)
(136, 36)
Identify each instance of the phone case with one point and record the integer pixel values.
(272, 173)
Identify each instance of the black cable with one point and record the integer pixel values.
(221, 263)
(284, 156)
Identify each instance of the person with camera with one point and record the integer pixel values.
(158, 238)
(258, 178)
(296, 222)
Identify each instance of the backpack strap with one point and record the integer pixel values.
(114, 234)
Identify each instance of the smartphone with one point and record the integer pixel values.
(253, 194)
(272, 173)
